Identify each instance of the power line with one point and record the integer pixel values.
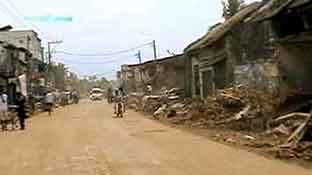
(14, 7)
(20, 17)
(105, 54)
(10, 14)
(89, 63)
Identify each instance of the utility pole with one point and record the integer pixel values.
(140, 72)
(50, 57)
(154, 49)
(139, 56)
(49, 50)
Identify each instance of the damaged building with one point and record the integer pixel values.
(291, 23)
(225, 56)
(13, 64)
(30, 42)
(162, 73)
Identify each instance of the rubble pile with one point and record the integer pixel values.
(255, 108)
(295, 132)
(134, 101)
(155, 104)
(236, 108)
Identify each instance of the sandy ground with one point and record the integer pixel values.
(85, 139)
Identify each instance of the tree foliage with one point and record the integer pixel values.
(231, 7)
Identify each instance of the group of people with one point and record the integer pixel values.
(20, 107)
(17, 109)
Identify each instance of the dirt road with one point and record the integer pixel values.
(84, 139)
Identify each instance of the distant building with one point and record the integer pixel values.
(162, 73)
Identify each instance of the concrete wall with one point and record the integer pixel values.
(20, 39)
(260, 74)
(8, 61)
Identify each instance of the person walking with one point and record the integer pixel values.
(49, 101)
(21, 110)
(3, 109)
(109, 95)
(119, 100)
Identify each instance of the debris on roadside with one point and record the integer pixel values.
(281, 130)
(235, 107)
(241, 110)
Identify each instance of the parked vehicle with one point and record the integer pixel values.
(96, 94)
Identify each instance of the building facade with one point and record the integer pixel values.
(13, 65)
(291, 25)
(27, 39)
(222, 57)
(30, 56)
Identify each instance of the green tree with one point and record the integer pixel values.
(231, 7)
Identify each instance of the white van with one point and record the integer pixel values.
(96, 94)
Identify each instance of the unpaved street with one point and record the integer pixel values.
(84, 139)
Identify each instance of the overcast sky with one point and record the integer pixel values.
(104, 26)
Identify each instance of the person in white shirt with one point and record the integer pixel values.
(3, 108)
(49, 101)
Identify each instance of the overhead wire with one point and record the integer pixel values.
(20, 17)
(101, 55)
(104, 54)
(10, 14)
(89, 63)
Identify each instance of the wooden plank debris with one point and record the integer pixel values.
(298, 134)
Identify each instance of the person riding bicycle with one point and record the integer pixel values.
(118, 98)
